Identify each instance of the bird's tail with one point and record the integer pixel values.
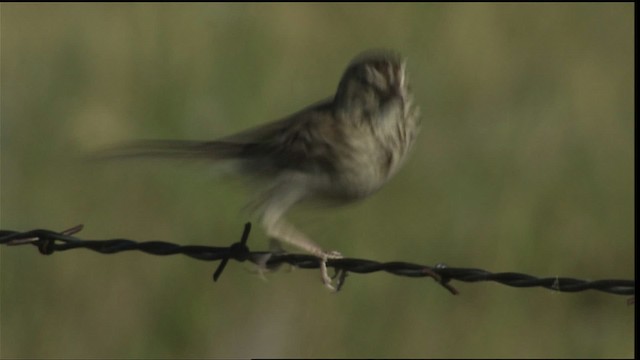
(176, 149)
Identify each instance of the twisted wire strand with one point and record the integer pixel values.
(48, 242)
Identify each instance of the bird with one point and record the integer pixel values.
(338, 150)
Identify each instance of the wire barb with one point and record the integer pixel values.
(238, 251)
(48, 242)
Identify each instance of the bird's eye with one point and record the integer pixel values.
(381, 66)
(376, 73)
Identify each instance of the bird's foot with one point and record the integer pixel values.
(326, 279)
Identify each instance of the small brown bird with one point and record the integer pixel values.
(341, 149)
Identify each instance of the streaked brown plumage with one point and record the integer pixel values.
(341, 149)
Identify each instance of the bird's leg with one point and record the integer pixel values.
(283, 231)
(278, 228)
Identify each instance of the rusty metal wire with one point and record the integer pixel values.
(48, 242)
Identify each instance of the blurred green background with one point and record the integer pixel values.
(524, 163)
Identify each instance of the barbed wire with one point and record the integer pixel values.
(48, 242)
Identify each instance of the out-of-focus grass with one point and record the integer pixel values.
(524, 163)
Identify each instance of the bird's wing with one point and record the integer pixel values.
(302, 141)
